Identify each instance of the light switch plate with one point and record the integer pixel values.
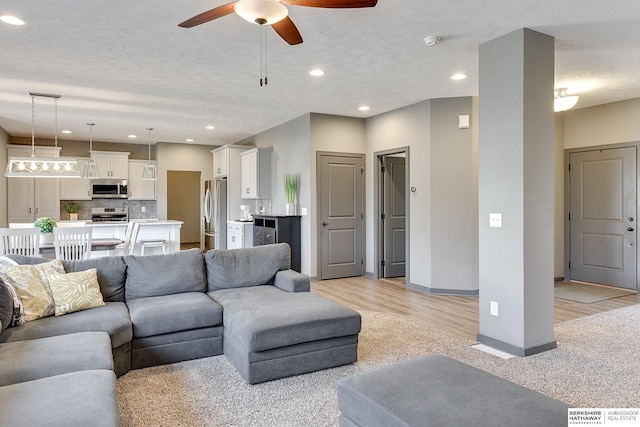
(463, 121)
(495, 220)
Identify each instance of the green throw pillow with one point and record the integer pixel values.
(75, 291)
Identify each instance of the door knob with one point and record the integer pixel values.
(630, 229)
(324, 224)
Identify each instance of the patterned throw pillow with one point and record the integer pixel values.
(18, 309)
(75, 291)
(32, 285)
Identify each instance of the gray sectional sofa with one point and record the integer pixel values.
(159, 309)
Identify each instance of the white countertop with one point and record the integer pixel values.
(141, 222)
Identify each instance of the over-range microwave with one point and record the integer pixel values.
(109, 189)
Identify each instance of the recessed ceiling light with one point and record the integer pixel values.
(432, 40)
(458, 76)
(12, 20)
(66, 131)
(189, 140)
(364, 108)
(210, 127)
(317, 72)
(132, 136)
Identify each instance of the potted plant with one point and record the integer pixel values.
(72, 209)
(45, 224)
(290, 191)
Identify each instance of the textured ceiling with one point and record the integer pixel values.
(126, 65)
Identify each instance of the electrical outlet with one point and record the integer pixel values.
(142, 209)
(494, 308)
(495, 220)
(303, 211)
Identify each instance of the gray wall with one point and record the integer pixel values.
(181, 157)
(516, 169)
(4, 140)
(454, 189)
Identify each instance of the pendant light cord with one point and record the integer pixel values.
(55, 102)
(33, 126)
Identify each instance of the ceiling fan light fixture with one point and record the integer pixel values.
(261, 11)
(562, 101)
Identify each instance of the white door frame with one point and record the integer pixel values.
(378, 233)
(567, 200)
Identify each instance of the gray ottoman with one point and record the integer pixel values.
(436, 390)
(270, 333)
(85, 398)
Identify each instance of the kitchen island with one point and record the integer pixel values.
(150, 229)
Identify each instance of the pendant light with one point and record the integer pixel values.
(91, 168)
(42, 167)
(149, 172)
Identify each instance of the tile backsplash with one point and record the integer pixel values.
(135, 208)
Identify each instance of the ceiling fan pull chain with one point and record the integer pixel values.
(266, 55)
(261, 53)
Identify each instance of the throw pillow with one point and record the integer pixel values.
(18, 309)
(75, 291)
(32, 285)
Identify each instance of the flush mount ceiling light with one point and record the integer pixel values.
(12, 20)
(432, 40)
(67, 131)
(149, 172)
(209, 127)
(42, 167)
(458, 76)
(364, 108)
(317, 72)
(132, 136)
(562, 101)
(91, 168)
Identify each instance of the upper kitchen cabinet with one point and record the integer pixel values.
(256, 173)
(220, 162)
(76, 188)
(140, 189)
(112, 164)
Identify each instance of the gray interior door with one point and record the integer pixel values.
(603, 216)
(341, 215)
(394, 217)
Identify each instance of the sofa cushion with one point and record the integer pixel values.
(84, 398)
(75, 291)
(112, 318)
(46, 357)
(265, 317)
(173, 313)
(237, 268)
(32, 284)
(17, 315)
(155, 275)
(112, 273)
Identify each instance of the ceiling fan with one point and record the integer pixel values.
(272, 12)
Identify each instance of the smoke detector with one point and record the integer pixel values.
(432, 40)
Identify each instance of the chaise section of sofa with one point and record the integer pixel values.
(273, 327)
(173, 318)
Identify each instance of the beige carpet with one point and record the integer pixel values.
(587, 293)
(209, 392)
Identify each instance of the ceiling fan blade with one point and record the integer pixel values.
(332, 4)
(288, 31)
(209, 15)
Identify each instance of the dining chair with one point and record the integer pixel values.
(20, 241)
(72, 243)
(124, 248)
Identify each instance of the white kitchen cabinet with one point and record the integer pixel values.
(220, 163)
(112, 164)
(140, 189)
(76, 188)
(256, 173)
(239, 235)
(31, 198)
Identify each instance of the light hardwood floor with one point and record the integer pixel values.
(456, 314)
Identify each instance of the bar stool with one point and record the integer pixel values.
(144, 244)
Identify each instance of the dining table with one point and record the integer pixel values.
(106, 244)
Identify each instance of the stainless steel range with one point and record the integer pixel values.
(110, 215)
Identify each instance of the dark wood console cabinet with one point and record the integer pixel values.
(269, 229)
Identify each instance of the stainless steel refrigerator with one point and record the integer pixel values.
(214, 219)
